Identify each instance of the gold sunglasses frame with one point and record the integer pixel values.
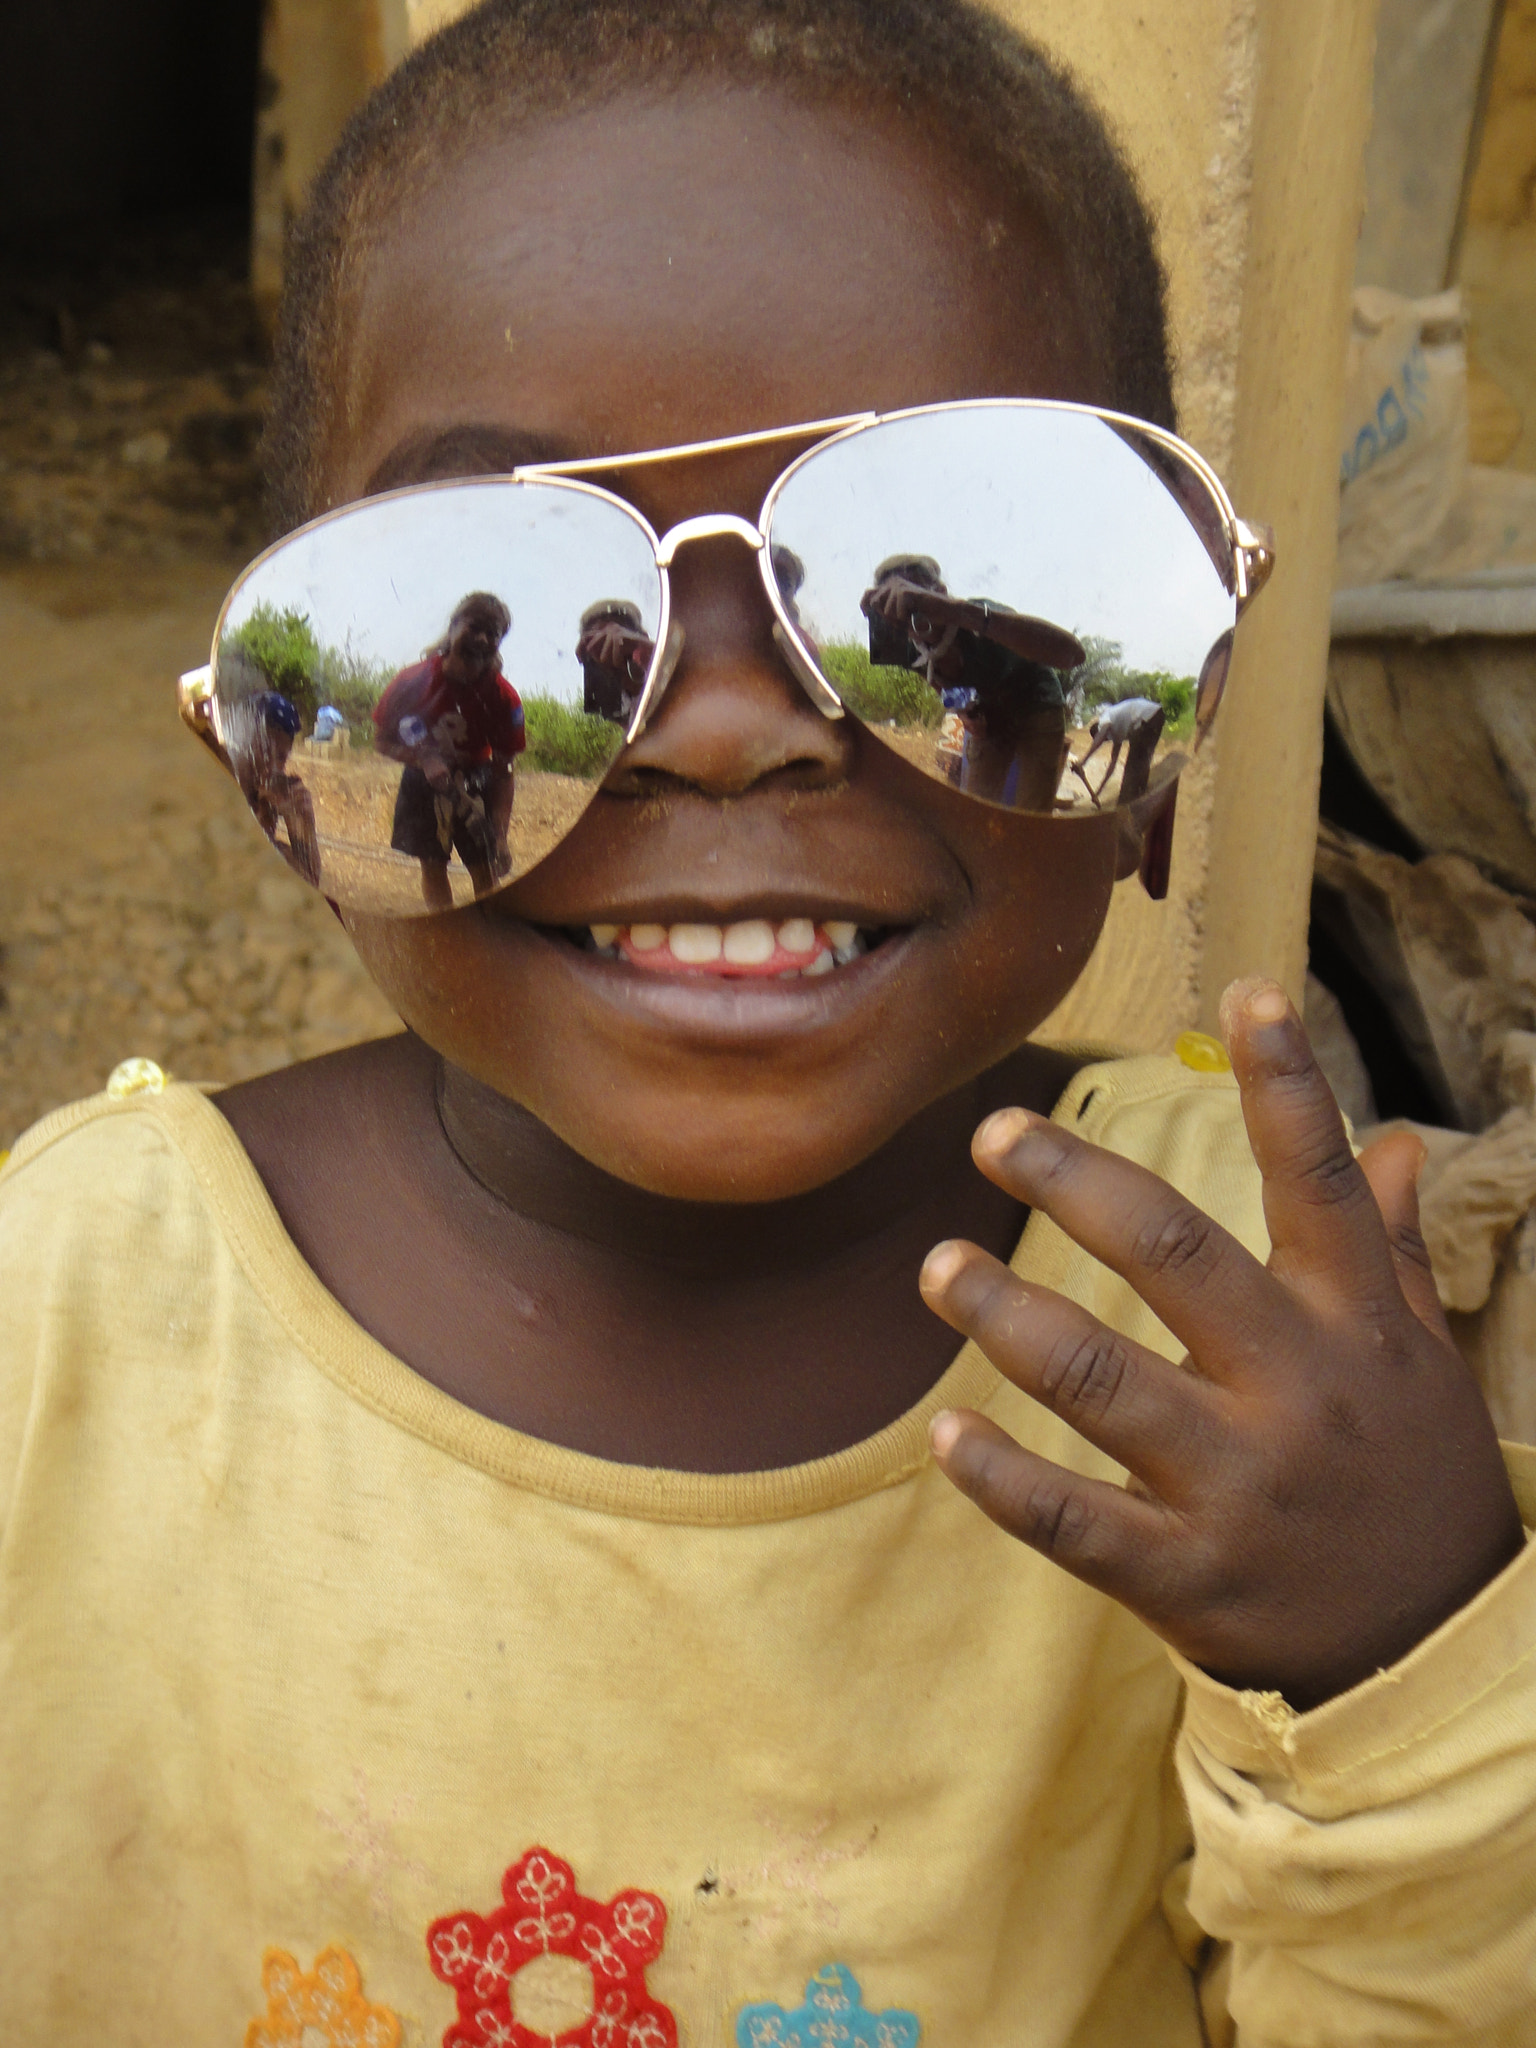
(1251, 546)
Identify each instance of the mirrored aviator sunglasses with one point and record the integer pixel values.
(1031, 602)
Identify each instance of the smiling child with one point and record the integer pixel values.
(489, 1534)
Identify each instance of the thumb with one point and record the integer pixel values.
(1392, 1166)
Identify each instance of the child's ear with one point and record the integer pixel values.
(1146, 844)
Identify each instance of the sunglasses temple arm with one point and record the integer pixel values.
(1255, 550)
(194, 703)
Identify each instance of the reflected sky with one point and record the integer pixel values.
(1052, 513)
(381, 580)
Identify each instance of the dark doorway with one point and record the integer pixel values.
(114, 110)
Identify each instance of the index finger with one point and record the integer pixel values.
(1208, 1289)
(1324, 1225)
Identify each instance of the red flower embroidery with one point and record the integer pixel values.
(545, 1915)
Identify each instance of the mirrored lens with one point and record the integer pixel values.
(420, 695)
(1025, 603)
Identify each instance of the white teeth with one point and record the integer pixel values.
(749, 943)
(696, 945)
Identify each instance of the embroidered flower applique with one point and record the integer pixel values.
(833, 2016)
(325, 2009)
(543, 1915)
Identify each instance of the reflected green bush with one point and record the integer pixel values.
(1176, 694)
(878, 694)
(564, 741)
(282, 647)
(282, 650)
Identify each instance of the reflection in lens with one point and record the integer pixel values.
(258, 740)
(1014, 597)
(1135, 723)
(788, 574)
(456, 725)
(453, 687)
(1003, 733)
(615, 654)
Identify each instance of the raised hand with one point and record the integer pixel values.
(1318, 1486)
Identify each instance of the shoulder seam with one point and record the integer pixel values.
(40, 1137)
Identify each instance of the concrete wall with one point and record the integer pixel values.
(1247, 120)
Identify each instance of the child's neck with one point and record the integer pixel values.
(541, 1291)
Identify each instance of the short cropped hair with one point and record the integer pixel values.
(509, 60)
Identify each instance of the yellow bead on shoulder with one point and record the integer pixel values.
(135, 1077)
(1201, 1053)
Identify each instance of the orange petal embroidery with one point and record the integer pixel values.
(329, 2001)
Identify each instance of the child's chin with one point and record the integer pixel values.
(728, 1154)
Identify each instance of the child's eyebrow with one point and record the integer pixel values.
(468, 449)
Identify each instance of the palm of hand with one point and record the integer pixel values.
(1319, 1486)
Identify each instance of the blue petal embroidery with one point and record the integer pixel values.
(832, 2016)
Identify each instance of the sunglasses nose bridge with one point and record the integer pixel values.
(709, 526)
(706, 526)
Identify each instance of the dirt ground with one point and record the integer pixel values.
(141, 911)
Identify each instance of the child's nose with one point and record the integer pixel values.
(733, 716)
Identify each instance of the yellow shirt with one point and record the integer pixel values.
(334, 1713)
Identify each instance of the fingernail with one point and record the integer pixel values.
(941, 1266)
(1000, 1132)
(944, 1432)
(1268, 1004)
(1235, 998)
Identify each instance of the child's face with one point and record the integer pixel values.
(473, 639)
(660, 270)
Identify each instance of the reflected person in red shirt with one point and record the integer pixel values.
(456, 723)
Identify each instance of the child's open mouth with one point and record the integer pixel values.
(756, 948)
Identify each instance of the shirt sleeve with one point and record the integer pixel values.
(400, 697)
(1371, 1865)
(513, 735)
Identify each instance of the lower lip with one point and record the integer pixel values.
(735, 1009)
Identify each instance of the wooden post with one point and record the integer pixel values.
(1312, 112)
(1247, 121)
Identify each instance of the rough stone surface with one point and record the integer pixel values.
(131, 394)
